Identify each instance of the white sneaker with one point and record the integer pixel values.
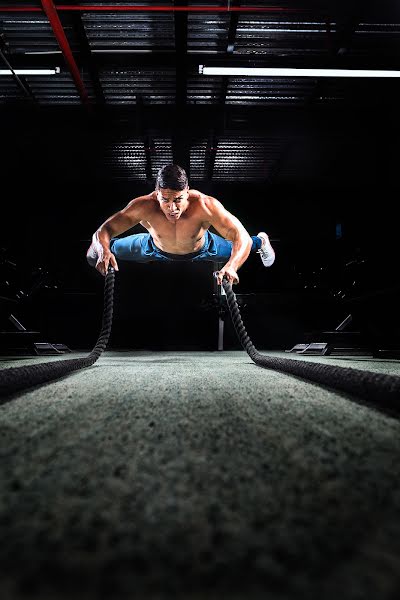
(266, 251)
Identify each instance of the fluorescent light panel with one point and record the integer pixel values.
(278, 72)
(54, 71)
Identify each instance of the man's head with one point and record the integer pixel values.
(172, 191)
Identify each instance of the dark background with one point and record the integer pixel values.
(55, 195)
(328, 200)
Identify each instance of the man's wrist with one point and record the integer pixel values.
(101, 245)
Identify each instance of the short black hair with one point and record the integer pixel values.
(172, 177)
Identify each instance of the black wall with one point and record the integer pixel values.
(342, 171)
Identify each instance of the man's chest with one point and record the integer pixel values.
(187, 227)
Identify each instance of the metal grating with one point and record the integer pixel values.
(31, 34)
(138, 32)
(336, 92)
(240, 158)
(262, 91)
(356, 92)
(285, 36)
(115, 37)
(381, 39)
(204, 90)
(198, 157)
(57, 89)
(162, 154)
(126, 159)
(207, 33)
(10, 92)
(150, 86)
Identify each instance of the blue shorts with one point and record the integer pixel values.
(140, 247)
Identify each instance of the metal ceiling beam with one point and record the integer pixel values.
(181, 27)
(140, 120)
(149, 149)
(168, 59)
(336, 45)
(233, 23)
(279, 162)
(180, 146)
(344, 36)
(86, 55)
(224, 90)
(230, 47)
(316, 92)
(58, 30)
(211, 152)
(134, 8)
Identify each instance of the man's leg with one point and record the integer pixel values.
(138, 247)
(217, 248)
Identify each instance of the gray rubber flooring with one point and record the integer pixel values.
(197, 475)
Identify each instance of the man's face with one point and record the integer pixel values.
(173, 203)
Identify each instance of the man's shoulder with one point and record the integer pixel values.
(146, 203)
(149, 199)
(207, 203)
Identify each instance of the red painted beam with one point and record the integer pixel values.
(58, 30)
(133, 8)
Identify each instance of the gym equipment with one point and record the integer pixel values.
(17, 287)
(338, 342)
(375, 387)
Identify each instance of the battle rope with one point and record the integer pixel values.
(18, 378)
(376, 387)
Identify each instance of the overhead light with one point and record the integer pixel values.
(126, 51)
(278, 72)
(40, 52)
(54, 71)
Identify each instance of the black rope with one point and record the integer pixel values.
(18, 378)
(375, 387)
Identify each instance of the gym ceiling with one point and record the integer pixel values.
(130, 94)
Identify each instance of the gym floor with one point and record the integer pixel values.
(197, 475)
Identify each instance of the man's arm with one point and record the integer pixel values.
(119, 222)
(231, 229)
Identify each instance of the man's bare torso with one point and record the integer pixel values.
(184, 236)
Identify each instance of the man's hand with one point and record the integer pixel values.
(105, 259)
(229, 273)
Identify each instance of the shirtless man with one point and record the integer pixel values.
(177, 220)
